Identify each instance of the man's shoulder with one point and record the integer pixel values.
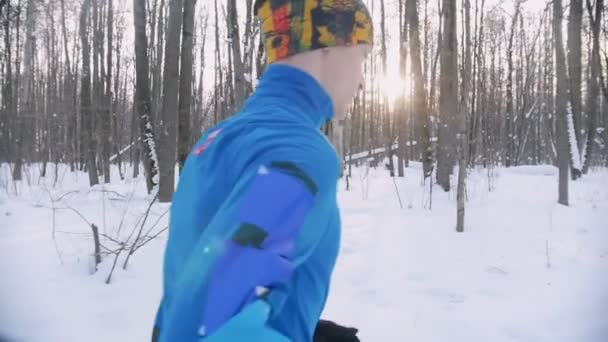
(318, 158)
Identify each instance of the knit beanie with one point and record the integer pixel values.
(290, 27)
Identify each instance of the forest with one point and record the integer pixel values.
(497, 109)
(473, 83)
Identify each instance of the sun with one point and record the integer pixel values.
(394, 87)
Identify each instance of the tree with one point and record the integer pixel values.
(69, 92)
(85, 96)
(384, 115)
(401, 104)
(420, 108)
(7, 90)
(238, 63)
(448, 96)
(26, 86)
(168, 136)
(106, 122)
(218, 93)
(561, 102)
(593, 95)
(142, 95)
(510, 136)
(464, 110)
(575, 66)
(185, 84)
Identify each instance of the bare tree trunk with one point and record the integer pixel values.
(249, 47)
(106, 120)
(593, 95)
(574, 65)
(95, 79)
(142, 97)
(168, 137)
(384, 115)
(234, 38)
(185, 84)
(26, 87)
(400, 107)
(448, 97)
(464, 111)
(433, 87)
(116, 131)
(477, 134)
(157, 81)
(563, 151)
(423, 123)
(218, 78)
(69, 83)
(510, 135)
(85, 95)
(260, 63)
(7, 91)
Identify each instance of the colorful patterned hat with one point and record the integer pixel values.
(290, 27)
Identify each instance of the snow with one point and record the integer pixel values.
(525, 269)
(541, 170)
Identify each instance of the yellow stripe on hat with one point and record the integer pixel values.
(364, 33)
(325, 37)
(328, 3)
(265, 14)
(309, 5)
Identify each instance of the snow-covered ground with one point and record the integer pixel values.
(526, 269)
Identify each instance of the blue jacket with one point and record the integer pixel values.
(254, 217)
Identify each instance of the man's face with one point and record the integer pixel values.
(344, 74)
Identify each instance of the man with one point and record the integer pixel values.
(255, 228)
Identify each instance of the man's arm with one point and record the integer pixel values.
(264, 216)
(259, 253)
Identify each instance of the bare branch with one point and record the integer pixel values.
(132, 249)
(150, 238)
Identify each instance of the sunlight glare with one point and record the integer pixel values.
(394, 87)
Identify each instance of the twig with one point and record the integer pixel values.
(397, 190)
(54, 227)
(124, 214)
(114, 265)
(67, 193)
(77, 213)
(120, 243)
(103, 190)
(155, 223)
(94, 229)
(150, 238)
(132, 249)
(110, 251)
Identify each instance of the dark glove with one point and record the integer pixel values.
(328, 331)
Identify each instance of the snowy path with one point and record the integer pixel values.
(402, 274)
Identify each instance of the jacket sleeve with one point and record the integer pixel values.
(249, 248)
